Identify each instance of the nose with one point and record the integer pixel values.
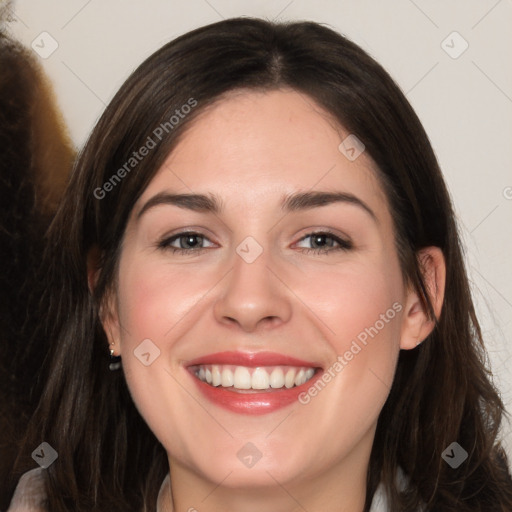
(254, 296)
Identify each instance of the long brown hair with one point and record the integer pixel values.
(442, 392)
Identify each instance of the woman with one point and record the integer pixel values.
(259, 228)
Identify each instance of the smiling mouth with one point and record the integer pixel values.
(245, 379)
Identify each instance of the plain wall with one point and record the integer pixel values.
(465, 103)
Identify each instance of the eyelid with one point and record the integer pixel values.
(193, 230)
(318, 228)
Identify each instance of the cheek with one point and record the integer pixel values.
(360, 306)
(355, 300)
(153, 304)
(154, 299)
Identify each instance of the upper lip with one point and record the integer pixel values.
(251, 359)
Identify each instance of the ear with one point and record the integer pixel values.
(416, 323)
(108, 310)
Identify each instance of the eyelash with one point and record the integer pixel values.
(343, 245)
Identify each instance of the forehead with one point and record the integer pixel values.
(254, 147)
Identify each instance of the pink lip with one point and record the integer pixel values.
(252, 359)
(252, 403)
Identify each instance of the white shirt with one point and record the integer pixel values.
(29, 494)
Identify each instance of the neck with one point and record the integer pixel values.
(340, 488)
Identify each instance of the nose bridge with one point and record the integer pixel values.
(252, 292)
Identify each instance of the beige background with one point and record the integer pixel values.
(465, 103)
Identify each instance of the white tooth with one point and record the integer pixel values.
(309, 373)
(201, 374)
(227, 378)
(208, 376)
(260, 379)
(242, 378)
(299, 377)
(277, 378)
(216, 378)
(289, 378)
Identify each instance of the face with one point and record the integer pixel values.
(290, 303)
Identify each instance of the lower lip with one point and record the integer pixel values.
(253, 403)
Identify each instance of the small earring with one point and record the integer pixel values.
(115, 361)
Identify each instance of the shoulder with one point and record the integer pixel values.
(29, 495)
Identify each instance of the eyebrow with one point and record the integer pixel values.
(292, 202)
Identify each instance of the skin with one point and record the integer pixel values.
(250, 149)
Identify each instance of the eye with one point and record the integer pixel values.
(324, 243)
(188, 242)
